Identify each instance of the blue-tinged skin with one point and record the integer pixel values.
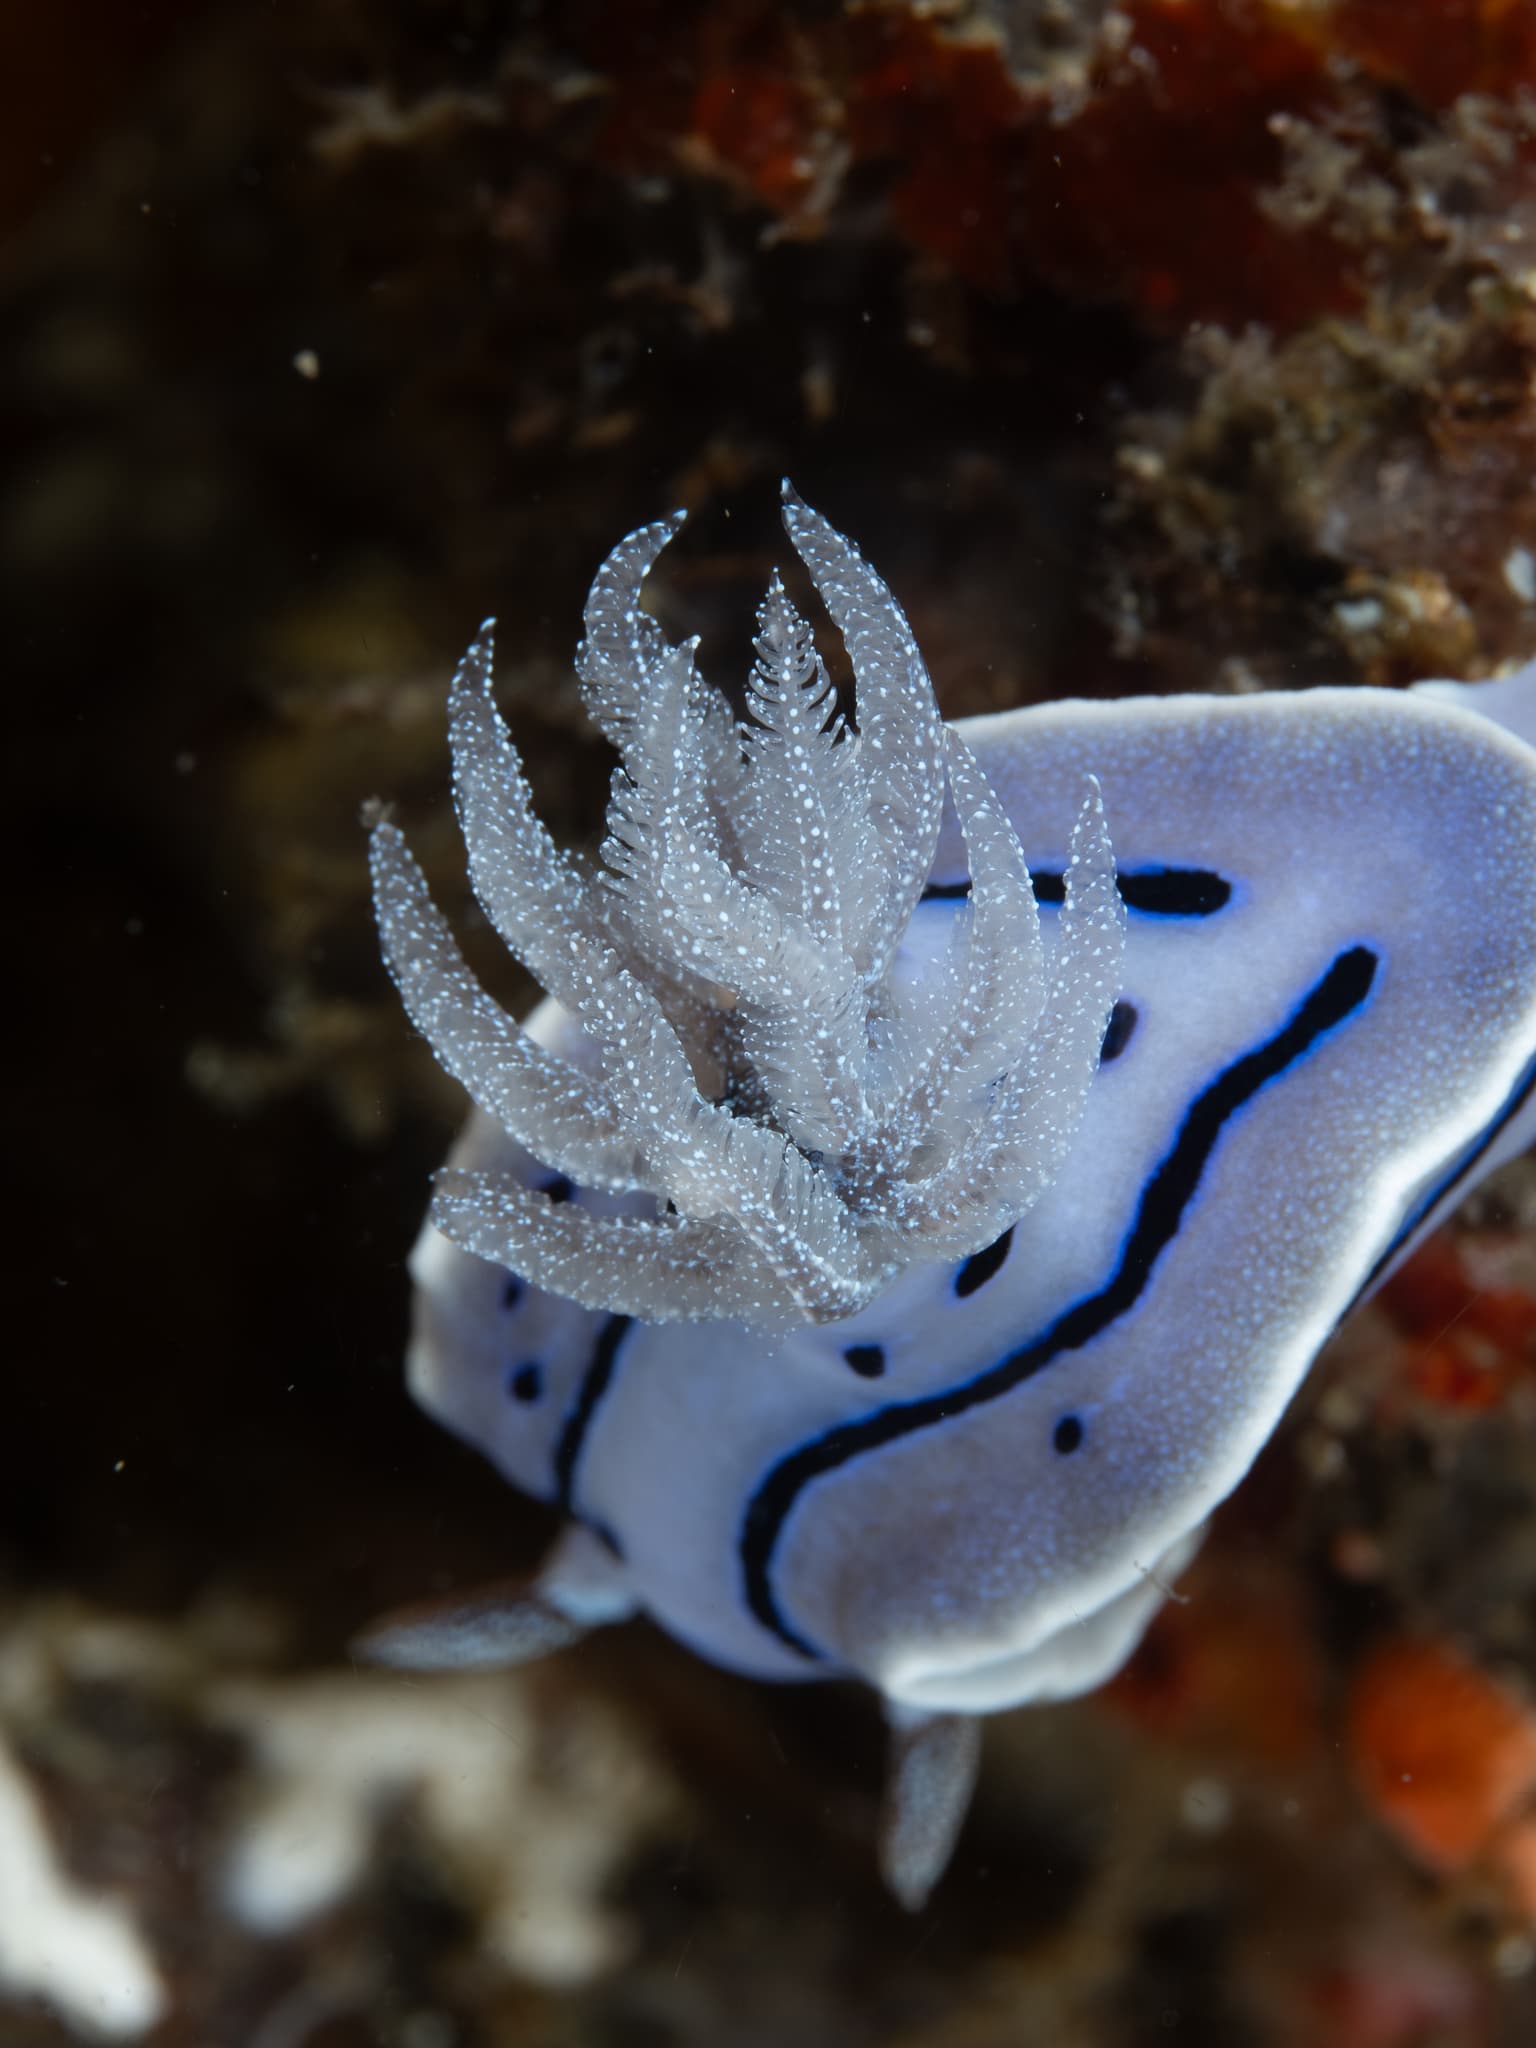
(975, 1492)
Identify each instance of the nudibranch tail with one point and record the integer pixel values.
(930, 1776)
(579, 1587)
(806, 1119)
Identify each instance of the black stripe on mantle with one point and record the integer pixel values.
(595, 1382)
(1158, 892)
(1339, 993)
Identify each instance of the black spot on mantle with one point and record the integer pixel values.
(978, 1269)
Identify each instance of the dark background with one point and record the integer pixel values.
(1190, 352)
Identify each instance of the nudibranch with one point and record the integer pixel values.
(943, 1148)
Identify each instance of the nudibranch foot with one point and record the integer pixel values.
(930, 1777)
(578, 1588)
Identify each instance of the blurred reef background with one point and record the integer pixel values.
(1165, 345)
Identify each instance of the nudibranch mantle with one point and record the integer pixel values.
(962, 1449)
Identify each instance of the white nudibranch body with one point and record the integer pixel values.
(884, 1249)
